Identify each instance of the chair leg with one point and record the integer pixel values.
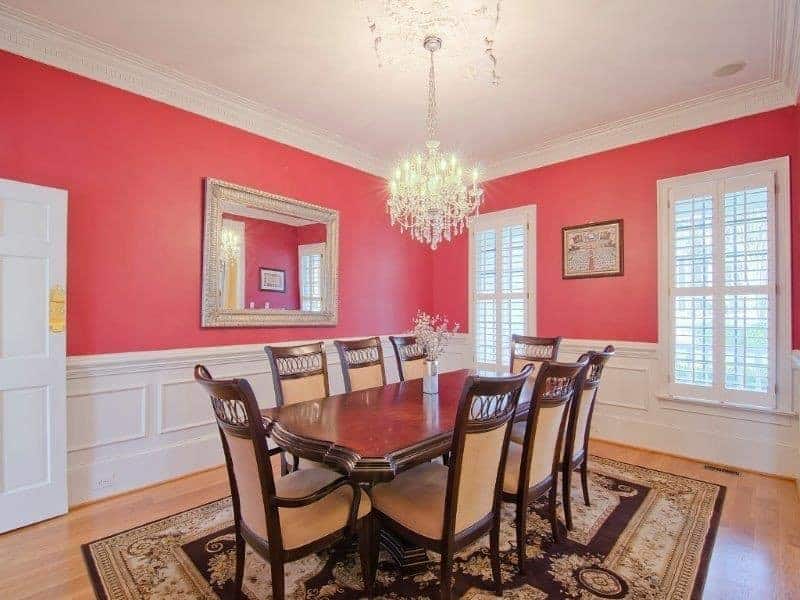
(446, 459)
(241, 548)
(553, 510)
(566, 494)
(522, 508)
(284, 465)
(494, 552)
(278, 583)
(446, 578)
(585, 481)
(295, 463)
(368, 552)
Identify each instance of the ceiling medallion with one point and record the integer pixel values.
(430, 194)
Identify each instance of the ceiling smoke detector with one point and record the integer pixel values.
(729, 69)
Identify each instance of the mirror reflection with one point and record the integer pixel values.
(270, 260)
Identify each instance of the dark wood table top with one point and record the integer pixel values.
(372, 434)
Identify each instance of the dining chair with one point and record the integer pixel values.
(532, 467)
(362, 363)
(410, 356)
(290, 517)
(446, 508)
(299, 373)
(576, 447)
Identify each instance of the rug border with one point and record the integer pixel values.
(88, 559)
(697, 591)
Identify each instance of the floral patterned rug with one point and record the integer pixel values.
(647, 535)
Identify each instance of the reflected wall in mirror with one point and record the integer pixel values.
(267, 260)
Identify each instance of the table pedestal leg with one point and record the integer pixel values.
(409, 557)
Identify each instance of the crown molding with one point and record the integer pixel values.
(692, 114)
(41, 40)
(786, 65)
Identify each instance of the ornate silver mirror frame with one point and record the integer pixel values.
(219, 194)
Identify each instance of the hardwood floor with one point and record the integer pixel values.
(756, 556)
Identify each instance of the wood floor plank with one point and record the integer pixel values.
(757, 553)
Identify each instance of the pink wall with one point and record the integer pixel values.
(273, 246)
(619, 183)
(312, 234)
(134, 170)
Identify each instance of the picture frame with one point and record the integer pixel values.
(272, 280)
(593, 250)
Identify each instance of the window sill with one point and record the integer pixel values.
(727, 411)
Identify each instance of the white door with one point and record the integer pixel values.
(33, 260)
(502, 276)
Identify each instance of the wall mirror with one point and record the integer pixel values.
(267, 260)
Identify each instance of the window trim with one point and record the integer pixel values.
(304, 250)
(490, 220)
(783, 282)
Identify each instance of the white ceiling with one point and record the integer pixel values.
(567, 66)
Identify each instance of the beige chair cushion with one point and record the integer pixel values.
(480, 463)
(415, 499)
(584, 404)
(544, 448)
(413, 369)
(363, 378)
(301, 526)
(303, 388)
(248, 482)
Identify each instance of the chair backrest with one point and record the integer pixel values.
(527, 350)
(362, 363)
(580, 421)
(479, 448)
(556, 386)
(410, 356)
(299, 373)
(244, 441)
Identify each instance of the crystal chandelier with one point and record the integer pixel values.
(430, 194)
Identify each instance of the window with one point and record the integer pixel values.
(724, 269)
(311, 257)
(502, 282)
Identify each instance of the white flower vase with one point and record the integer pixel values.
(430, 377)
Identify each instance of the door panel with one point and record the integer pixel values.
(32, 358)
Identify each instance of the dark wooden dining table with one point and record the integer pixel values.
(372, 435)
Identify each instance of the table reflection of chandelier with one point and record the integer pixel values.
(430, 193)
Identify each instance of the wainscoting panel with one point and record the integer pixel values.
(138, 418)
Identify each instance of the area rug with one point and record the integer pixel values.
(647, 535)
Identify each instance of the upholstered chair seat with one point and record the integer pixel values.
(444, 508)
(301, 526)
(415, 499)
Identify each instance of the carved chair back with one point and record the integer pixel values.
(554, 391)
(583, 406)
(479, 448)
(362, 363)
(244, 441)
(410, 356)
(527, 350)
(299, 373)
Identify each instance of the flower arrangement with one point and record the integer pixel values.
(433, 333)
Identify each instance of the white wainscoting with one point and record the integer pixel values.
(137, 418)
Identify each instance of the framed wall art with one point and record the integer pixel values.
(272, 280)
(592, 250)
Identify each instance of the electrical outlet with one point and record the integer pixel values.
(104, 482)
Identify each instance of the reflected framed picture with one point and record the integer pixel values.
(272, 280)
(592, 250)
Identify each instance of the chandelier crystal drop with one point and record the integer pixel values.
(430, 194)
